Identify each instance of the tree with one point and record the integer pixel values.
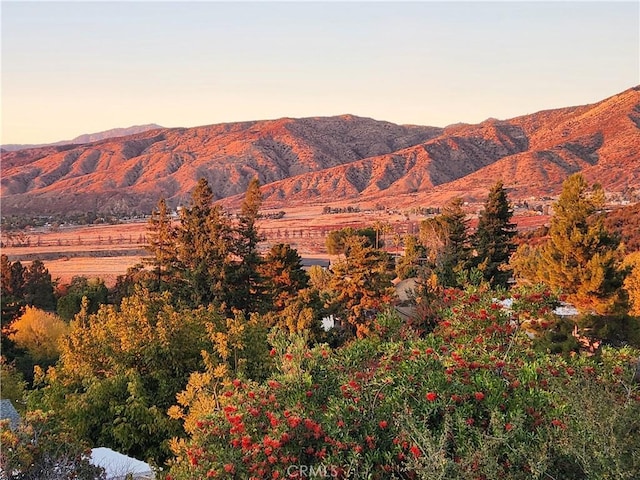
(283, 274)
(581, 258)
(247, 293)
(336, 241)
(11, 289)
(120, 369)
(12, 383)
(204, 244)
(38, 287)
(70, 303)
(446, 240)
(632, 283)
(162, 244)
(360, 285)
(39, 332)
(415, 254)
(493, 239)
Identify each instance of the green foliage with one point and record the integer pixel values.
(43, 448)
(581, 258)
(337, 240)
(71, 295)
(415, 255)
(161, 237)
(302, 313)
(360, 285)
(493, 239)
(12, 384)
(445, 238)
(283, 275)
(632, 282)
(120, 370)
(204, 244)
(247, 293)
(38, 288)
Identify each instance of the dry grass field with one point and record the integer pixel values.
(107, 251)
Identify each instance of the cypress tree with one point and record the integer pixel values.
(493, 239)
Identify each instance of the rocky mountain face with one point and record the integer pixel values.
(333, 159)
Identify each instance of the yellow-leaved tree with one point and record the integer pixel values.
(39, 332)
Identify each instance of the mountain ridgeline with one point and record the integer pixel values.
(325, 160)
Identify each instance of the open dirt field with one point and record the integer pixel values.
(107, 251)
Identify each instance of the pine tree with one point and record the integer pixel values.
(204, 246)
(360, 285)
(493, 239)
(581, 257)
(283, 275)
(161, 237)
(447, 243)
(248, 289)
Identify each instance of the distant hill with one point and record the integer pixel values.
(86, 138)
(343, 159)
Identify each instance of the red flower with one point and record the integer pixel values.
(508, 427)
(415, 451)
(383, 424)
(470, 421)
(288, 357)
(272, 352)
(229, 468)
(431, 396)
(479, 396)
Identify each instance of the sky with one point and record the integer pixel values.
(69, 68)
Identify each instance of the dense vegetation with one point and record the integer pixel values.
(210, 360)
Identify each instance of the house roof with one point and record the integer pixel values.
(117, 466)
(8, 412)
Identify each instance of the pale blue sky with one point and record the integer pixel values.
(80, 67)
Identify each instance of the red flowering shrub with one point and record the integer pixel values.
(472, 399)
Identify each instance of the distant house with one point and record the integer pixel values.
(310, 262)
(120, 467)
(8, 412)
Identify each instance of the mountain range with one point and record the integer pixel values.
(85, 138)
(342, 159)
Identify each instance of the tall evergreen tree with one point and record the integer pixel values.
(581, 257)
(161, 236)
(447, 242)
(203, 243)
(248, 289)
(493, 239)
